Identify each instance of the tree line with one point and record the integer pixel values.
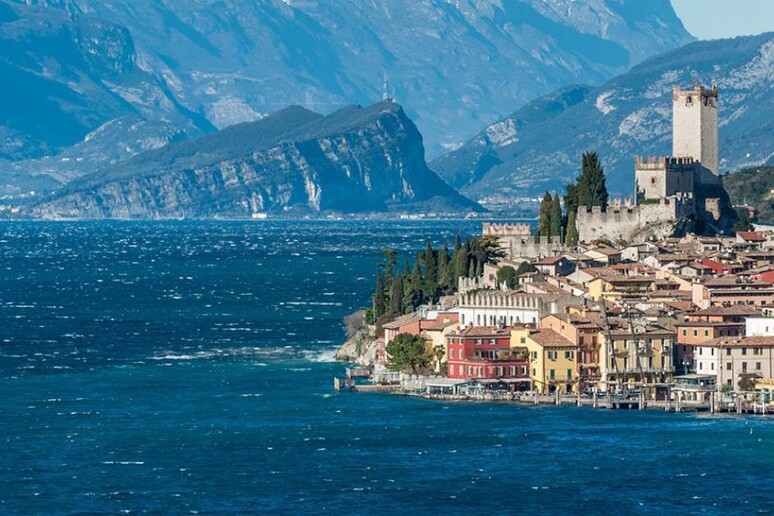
(588, 189)
(434, 273)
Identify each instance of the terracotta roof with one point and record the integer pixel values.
(729, 310)
(403, 320)
(548, 260)
(550, 339)
(739, 342)
(751, 236)
(484, 331)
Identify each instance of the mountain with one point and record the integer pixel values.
(293, 162)
(64, 76)
(753, 187)
(458, 65)
(538, 148)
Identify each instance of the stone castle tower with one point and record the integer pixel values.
(695, 129)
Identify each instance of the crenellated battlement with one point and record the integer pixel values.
(707, 97)
(662, 163)
(506, 230)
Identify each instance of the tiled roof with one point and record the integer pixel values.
(550, 339)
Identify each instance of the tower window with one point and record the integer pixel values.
(652, 180)
(688, 100)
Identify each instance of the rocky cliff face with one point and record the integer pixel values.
(293, 162)
(538, 148)
(74, 65)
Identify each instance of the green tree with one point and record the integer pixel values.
(571, 234)
(507, 276)
(380, 303)
(431, 268)
(457, 243)
(390, 260)
(396, 295)
(544, 219)
(460, 261)
(555, 229)
(743, 220)
(444, 269)
(486, 249)
(592, 188)
(408, 353)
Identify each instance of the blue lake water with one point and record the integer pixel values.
(185, 367)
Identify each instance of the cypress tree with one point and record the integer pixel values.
(592, 189)
(431, 267)
(544, 220)
(556, 217)
(457, 243)
(444, 274)
(396, 295)
(378, 297)
(472, 269)
(571, 236)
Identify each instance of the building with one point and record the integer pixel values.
(730, 359)
(485, 353)
(695, 129)
(585, 333)
(667, 190)
(641, 358)
(731, 290)
(506, 308)
(553, 359)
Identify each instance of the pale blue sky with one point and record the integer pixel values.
(713, 19)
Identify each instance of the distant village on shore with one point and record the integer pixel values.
(664, 300)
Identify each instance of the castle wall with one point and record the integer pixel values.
(527, 247)
(627, 223)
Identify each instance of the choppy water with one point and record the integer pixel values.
(185, 367)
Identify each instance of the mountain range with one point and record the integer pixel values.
(140, 73)
(539, 146)
(294, 162)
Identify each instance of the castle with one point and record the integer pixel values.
(517, 241)
(671, 191)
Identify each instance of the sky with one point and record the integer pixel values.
(713, 19)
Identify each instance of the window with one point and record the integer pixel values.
(552, 355)
(701, 351)
(491, 342)
(552, 374)
(512, 371)
(569, 374)
(534, 355)
(706, 333)
(451, 369)
(499, 370)
(451, 353)
(470, 370)
(728, 366)
(695, 333)
(728, 352)
(757, 351)
(701, 366)
(523, 370)
(744, 351)
(744, 367)
(478, 342)
(569, 355)
(685, 332)
(534, 372)
(757, 366)
(712, 351)
(523, 340)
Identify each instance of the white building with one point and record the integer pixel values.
(497, 307)
(759, 326)
(728, 358)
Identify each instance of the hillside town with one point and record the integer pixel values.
(635, 307)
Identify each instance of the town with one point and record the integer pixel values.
(653, 301)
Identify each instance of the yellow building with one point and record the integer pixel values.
(552, 359)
